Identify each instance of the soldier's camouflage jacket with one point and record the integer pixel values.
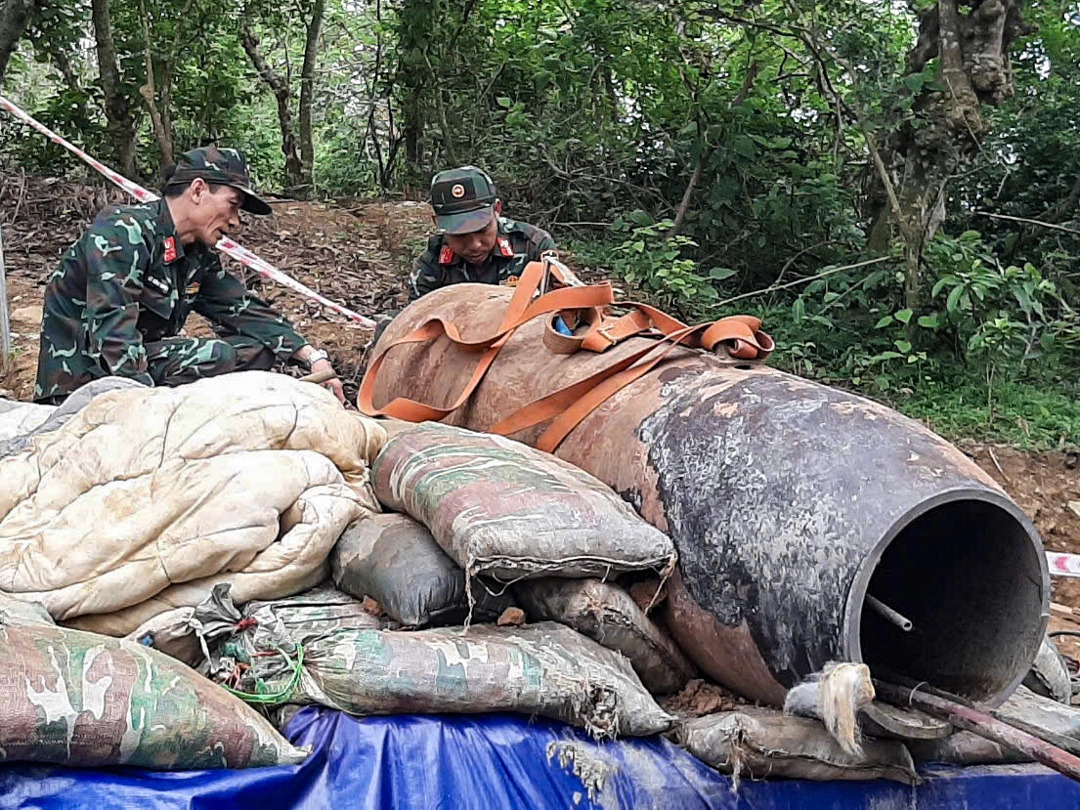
(128, 281)
(518, 243)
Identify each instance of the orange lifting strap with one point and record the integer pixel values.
(739, 335)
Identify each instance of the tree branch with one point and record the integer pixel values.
(798, 281)
(1027, 221)
(14, 15)
(707, 152)
(280, 88)
(148, 92)
(307, 94)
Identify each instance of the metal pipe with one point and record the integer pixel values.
(788, 502)
(888, 613)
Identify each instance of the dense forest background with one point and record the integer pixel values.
(901, 179)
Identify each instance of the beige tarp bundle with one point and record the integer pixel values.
(148, 497)
(21, 417)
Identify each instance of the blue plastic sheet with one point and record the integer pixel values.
(489, 762)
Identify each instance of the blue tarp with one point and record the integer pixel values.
(490, 762)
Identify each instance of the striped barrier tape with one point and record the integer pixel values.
(225, 245)
(1063, 565)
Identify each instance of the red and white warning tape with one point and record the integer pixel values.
(225, 245)
(1063, 565)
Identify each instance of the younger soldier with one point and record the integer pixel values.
(123, 292)
(474, 243)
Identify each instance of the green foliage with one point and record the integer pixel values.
(656, 263)
(1001, 313)
(596, 116)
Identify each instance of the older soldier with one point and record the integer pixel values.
(124, 290)
(474, 243)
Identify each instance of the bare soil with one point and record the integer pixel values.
(699, 698)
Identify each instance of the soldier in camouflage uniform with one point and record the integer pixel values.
(474, 242)
(121, 295)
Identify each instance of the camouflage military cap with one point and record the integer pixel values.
(225, 167)
(463, 200)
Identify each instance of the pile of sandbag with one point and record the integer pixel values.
(299, 653)
(489, 522)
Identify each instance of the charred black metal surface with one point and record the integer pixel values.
(779, 493)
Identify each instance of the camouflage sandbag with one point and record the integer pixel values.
(499, 507)
(762, 743)
(395, 560)
(171, 633)
(609, 616)
(313, 614)
(544, 669)
(228, 634)
(76, 698)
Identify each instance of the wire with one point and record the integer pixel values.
(281, 696)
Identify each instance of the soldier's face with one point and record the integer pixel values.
(475, 247)
(216, 213)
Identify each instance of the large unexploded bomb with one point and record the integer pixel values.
(811, 524)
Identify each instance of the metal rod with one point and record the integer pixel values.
(5, 317)
(984, 725)
(887, 613)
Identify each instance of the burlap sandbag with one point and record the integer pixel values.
(76, 698)
(760, 743)
(499, 507)
(395, 560)
(609, 616)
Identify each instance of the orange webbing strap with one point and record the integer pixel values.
(570, 405)
(740, 335)
(521, 310)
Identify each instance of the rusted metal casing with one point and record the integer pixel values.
(789, 503)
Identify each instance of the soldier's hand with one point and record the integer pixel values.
(335, 384)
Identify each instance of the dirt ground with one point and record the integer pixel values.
(359, 254)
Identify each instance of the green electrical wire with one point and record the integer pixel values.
(274, 698)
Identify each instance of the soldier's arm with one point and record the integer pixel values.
(426, 275)
(541, 243)
(233, 309)
(117, 258)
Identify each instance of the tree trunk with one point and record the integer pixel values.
(62, 61)
(121, 121)
(14, 14)
(162, 131)
(415, 30)
(307, 93)
(973, 53)
(688, 195)
(280, 88)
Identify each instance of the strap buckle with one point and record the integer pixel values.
(604, 331)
